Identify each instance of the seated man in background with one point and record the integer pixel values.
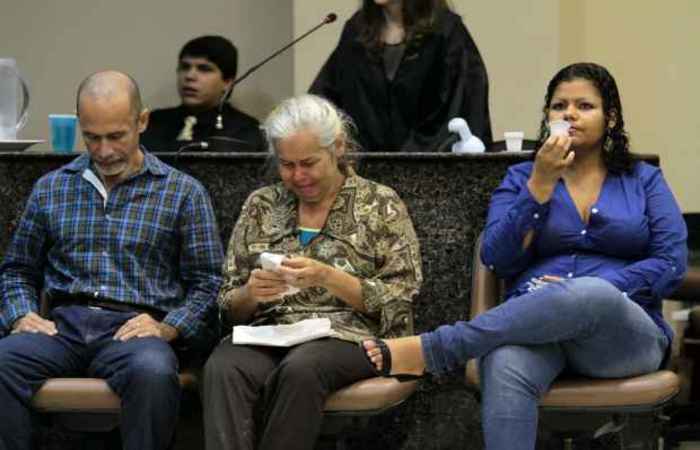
(205, 72)
(128, 250)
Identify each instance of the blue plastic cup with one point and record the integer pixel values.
(63, 127)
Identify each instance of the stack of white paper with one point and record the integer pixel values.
(282, 335)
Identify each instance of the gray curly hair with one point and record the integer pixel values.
(313, 113)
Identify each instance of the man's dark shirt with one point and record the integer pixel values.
(241, 132)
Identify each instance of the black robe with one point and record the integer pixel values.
(442, 78)
(241, 132)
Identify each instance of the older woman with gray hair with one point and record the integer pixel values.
(350, 251)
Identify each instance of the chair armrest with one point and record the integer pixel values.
(689, 290)
(486, 287)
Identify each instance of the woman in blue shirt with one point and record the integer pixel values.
(589, 241)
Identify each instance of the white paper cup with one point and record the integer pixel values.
(559, 128)
(514, 140)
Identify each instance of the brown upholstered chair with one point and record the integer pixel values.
(689, 292)
(576, 406)
(88, 404)
(349, 410)
(685, 418)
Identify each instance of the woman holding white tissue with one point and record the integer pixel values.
(350, 250)
(589, 241)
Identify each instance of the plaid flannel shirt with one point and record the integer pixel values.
(151, 241)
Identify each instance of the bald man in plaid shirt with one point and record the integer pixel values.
(128, 250)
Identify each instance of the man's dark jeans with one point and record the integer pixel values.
(142, 371)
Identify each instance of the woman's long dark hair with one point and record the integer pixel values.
(418, 19)
(617, 156)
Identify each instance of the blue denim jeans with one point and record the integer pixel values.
(142, 371)
(585, 325)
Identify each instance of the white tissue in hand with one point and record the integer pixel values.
(273, 262)
(559, 128)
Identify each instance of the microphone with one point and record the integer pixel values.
(212, 143)
(330, 18)
(203, 145)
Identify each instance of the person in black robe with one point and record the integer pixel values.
(402, 70)
(206, 69)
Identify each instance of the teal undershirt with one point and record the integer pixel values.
(306, 235)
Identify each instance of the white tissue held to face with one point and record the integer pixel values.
(559, 128)
(272, 262)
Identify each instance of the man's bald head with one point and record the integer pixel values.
(110, 84)
(111, 121)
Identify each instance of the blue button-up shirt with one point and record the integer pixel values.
(152, 240)
(635, 237)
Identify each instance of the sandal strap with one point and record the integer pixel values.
(386, 358)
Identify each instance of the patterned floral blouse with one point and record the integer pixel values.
(368, 233)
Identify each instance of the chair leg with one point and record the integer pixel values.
(342, 428)
(641, 433)
(568, 443)
(341, 443)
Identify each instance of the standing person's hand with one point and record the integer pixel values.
(550, 163)
(33, 323)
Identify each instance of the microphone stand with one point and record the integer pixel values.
(330, 18)
(204, 145)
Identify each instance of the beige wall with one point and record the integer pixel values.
(519, 42)
(57, 44)
(649, 46)
(309, 55)
(651, 49)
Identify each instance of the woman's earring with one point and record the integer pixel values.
(608, 144)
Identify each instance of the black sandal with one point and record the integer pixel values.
(386, 357)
